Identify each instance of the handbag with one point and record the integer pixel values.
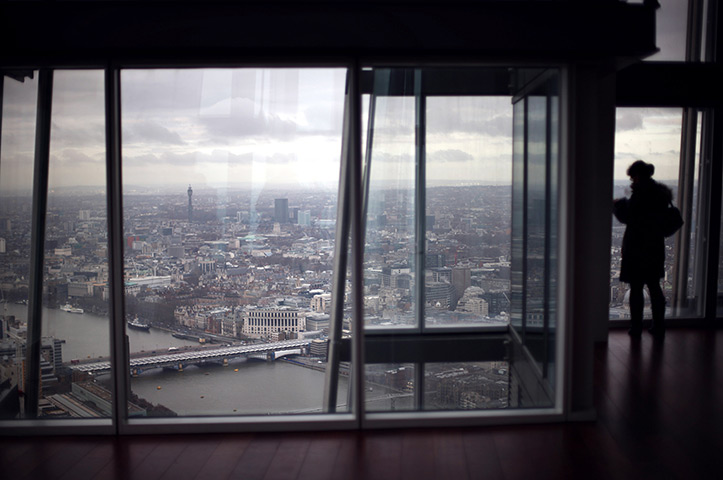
(672, 220)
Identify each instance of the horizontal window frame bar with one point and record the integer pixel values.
(57, 426)
(245, 423)
(372, 331)
(430, 348)
(465, 418)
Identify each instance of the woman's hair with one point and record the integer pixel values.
(641, 169)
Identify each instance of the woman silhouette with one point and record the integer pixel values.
(643, 252)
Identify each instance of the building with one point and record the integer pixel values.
(305, 218)
(321, 302)
(281, 210)
(473, 301)
(460, 279)
(263, 322)
(190, 204)
(316, 322)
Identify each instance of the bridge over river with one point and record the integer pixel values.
(178, 360)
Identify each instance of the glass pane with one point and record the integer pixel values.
(552, 246)
(389, 387)
(536, 212)
(517, 272)
(534, 243)
(76, 325)
(230, 192)
(466, 386)
(389, 267)
(468, 199)
(475, 163)
(16, 190)
(671, 30)
(652, 135)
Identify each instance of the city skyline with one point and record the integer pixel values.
(246, 128)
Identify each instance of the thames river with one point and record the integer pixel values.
(243, 387)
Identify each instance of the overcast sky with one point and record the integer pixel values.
(262, 127)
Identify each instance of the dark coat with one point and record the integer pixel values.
(643, 255)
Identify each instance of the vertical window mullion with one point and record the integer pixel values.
(420, 110)
(114, 201)
(343, 226)
(420, 205)
(548, 243)
(37, 243)
(525, 164)
(357, 242)
(685, 203)
(714, 152)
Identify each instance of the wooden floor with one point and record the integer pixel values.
(660, 415)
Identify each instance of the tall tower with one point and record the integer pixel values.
(190, 204)
(281, 210)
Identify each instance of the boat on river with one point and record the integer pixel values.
(138, 325)
(71, 309)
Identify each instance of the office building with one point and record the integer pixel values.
(281, 210)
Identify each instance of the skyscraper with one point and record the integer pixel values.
(281, 210)
(190, 204)
(461, 280)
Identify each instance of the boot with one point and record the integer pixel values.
(636, 328)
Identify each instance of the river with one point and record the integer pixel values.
(88, 336)
(244, 387)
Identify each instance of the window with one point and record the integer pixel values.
(439, 255)
(16, 186)
(229, 243)
(654, 135)
(217, 165)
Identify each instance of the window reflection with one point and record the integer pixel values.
(230, 195)
(75, 317)
(468, 163)
(469, 166)
(16, 187)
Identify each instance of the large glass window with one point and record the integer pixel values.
(230, 194)
(468, 179)
(654, 135)
(671, 30)
(16, 196)
(534, 239)
(74, 321)
(440, 256)
(75, 316)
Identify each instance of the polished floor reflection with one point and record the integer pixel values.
(658, 411)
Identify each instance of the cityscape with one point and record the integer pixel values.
(224, 287)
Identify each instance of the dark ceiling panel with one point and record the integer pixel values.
(188, 32)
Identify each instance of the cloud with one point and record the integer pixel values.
(628, 119)
(243, 121)
(392, 158)
(449, 156)
(77, 132)
(150, 132)
(483, 116)
(75, 157)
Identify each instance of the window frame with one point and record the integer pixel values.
(352, 162)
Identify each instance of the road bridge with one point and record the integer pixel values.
(179, 359)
